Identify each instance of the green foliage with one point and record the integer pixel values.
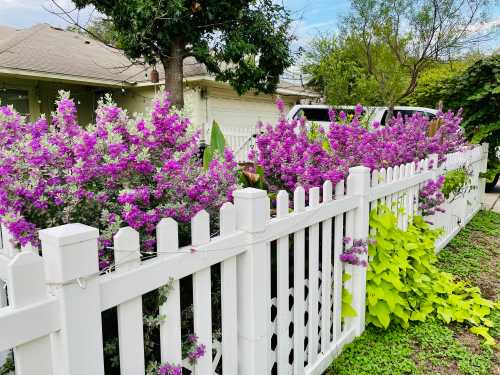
(245, 43)
(383, 46)
(337, 71)
(216, 146)
(424, 348)
(476, 90)
(456, 183)
(347, 310)
(404, 284)
(432, 83)
(8, 367)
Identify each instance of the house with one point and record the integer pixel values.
(37, 62)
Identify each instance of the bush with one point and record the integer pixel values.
(291, 154)
(119, 171)
(404, 284)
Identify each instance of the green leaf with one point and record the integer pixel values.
(382, 312)
(483, 331)
(217, 140)
(216, 147)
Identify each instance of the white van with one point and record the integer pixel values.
(318, 113)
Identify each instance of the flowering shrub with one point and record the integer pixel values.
(291, 154)
(290, 157)
(431, 198)
(119, 171)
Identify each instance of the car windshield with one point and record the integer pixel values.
(321, 114)
(313, 114)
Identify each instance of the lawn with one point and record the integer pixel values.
(433, 347)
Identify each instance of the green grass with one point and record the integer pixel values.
(433, 347)
(424, 349)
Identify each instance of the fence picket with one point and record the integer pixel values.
(389, 179)
(27, 287)
(313, 280)
(229, 296)
(167, 240)
(283, 289)
(298, 286)
(337, 267)
(202, 301)
(326, 272)
(129, 314)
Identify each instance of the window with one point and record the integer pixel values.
(16, 98)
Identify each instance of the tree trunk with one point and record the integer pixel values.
(174, 74)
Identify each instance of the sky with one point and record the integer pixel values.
(310, 16)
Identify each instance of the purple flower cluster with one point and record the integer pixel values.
(290, 157)
(355, 253)
(195, 350)
(431, 198)
(170, 369)
(292, 154)
(119, 171)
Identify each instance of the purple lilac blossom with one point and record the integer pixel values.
(119, 171)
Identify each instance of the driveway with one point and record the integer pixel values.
(491, 201)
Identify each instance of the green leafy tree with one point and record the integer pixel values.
(476, 89)
(338, 69)
(394, 41)
(245, 43)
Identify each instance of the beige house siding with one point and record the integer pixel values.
(206, 103)
(43, 94)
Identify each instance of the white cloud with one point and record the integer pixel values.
(484, 27)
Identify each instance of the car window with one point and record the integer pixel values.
(408, 113)
(313, 114)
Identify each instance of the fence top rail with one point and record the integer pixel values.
(122, 285)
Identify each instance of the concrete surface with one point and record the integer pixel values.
(491, 201)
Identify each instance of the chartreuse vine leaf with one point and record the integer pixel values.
(347, 310)
(404, 285)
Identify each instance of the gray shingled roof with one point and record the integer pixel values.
(45, 49)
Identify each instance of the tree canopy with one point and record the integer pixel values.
(388, 44)
(242, 42)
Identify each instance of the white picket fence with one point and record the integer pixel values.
(280, 280)
(239, 139)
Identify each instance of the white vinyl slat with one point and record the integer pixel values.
(282, 303)
(326, 272)
(129, 314)
(229, 296)
(202, 301)
(337, 268)
(167, 237)
(313, 280)
(298, 287)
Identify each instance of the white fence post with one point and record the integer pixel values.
(71, 266)
(252, 214)
(27, 287)
(358, 184)
(483, 168)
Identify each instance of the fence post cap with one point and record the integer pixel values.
(250, 193)
(69, 234)
(70, 252)
(359, 169)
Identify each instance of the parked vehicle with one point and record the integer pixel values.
(318, 113)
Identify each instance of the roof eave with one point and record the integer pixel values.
(58, 77)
